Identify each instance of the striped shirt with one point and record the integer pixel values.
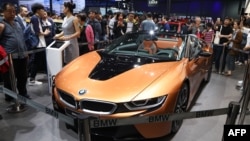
(209, 36)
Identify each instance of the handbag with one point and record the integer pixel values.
(217, 38)
(4, 63)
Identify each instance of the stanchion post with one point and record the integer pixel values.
(83, 129)
(232, 114)
(17, 107)
(246, 95)
(12, 74)
(234, 108)
(244, 107)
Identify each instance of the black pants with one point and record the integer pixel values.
(37, 63)
(220, 53)
(20, 69)
(83, 49)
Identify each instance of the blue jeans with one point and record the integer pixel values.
(230, 61)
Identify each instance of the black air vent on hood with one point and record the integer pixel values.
(113, 65)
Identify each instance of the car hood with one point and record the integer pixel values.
(122, 87)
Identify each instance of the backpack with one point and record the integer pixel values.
(4, 63)
(30, 38)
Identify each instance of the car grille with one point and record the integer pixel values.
(67, 99)
(98, 107)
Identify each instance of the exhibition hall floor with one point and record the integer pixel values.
(32, 125)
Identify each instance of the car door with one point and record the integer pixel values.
(206, 60)
(194, 70)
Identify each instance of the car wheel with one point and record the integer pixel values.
(181, 106)
(208, 75)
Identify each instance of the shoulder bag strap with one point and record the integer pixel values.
(221, 28)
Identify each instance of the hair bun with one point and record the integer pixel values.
(73, 5)
(70, 5)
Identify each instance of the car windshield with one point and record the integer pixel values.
(159, 47)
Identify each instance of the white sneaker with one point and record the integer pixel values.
(34, 82)
(239, 83)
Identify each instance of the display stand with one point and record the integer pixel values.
(55, 61)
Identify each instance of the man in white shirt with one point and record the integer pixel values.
(111, 26)
(130, 22)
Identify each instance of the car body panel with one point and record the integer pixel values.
(140, 78)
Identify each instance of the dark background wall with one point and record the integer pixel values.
(212, 8)
(11, 1)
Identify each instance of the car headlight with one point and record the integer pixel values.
(145, 104)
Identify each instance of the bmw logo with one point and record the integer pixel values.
(82, 92)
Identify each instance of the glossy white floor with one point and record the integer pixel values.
(32, 125)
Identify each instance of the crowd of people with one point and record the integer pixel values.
(92, 28)
(231, 37)
(78, 28)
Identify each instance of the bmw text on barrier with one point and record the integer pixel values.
(160, 118)
(101, 123)
(51, 112)
(104, 123)
(204, 114)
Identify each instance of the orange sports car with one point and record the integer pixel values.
(126, 80)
